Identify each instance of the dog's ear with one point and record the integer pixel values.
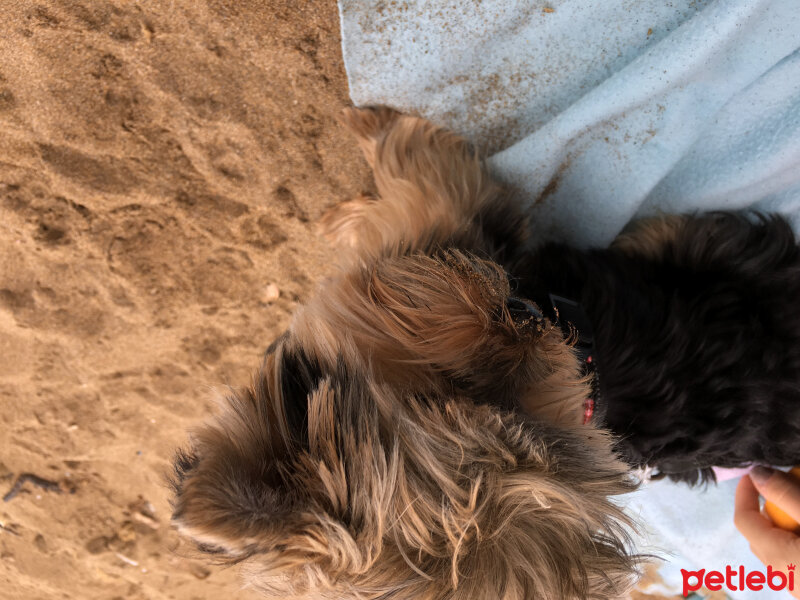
(303, 492)
(232, 488)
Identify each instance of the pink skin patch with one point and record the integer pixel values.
(724, 474)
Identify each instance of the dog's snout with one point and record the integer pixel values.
(523, 310)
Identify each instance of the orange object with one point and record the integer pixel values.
(778, 516)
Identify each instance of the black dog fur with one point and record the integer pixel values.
(698, 345)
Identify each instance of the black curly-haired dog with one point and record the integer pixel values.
(696, 334)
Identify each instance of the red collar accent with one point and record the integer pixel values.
(588, 410)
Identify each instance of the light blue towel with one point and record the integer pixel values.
(601, 109)
(598, 111)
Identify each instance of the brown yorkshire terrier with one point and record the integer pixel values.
(418, 432)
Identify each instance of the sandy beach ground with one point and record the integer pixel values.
(162, 165)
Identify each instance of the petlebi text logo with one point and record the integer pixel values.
(738, 579)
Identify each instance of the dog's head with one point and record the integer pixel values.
(375, 455)
(447, 324)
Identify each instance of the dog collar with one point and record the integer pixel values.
(575, 323)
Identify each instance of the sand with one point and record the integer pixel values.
(162, 165)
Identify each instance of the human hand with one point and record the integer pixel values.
(771, 544)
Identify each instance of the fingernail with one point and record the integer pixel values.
(760, 475)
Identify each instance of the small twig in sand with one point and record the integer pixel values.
(50, 486)
(125, 559)
(8, 529)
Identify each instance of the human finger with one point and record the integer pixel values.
(779, 488)
(747, 516)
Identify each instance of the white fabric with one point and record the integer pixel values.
(598, 111)
(693, 529)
